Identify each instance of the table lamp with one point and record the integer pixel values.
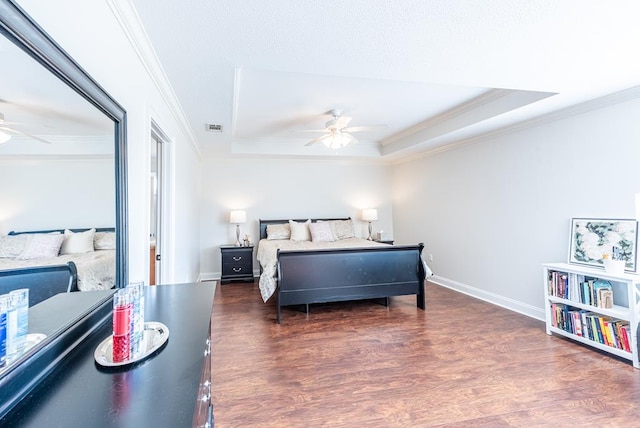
(370, 215)
(237, 217)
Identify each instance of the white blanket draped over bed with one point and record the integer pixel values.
(96, 269)
(268, 256)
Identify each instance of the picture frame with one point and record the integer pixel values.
(592, 241)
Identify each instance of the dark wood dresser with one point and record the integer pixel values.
(170, 389)
(237, 263)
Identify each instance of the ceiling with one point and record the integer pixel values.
(37, 103)
(437, 73)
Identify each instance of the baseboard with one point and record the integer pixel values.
(215, 276)
(496, 299)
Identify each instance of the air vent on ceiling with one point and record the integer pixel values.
(214, 128)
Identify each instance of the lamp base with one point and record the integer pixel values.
(238, 243)
(370, 238)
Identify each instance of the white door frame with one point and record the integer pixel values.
(163, 204)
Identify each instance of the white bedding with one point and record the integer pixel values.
(268, 249)
(96, 269)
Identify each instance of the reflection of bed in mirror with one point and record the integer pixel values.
(42, 282)
(89, 253)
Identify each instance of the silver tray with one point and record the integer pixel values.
(155, 335)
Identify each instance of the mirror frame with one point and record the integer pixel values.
(25, 33)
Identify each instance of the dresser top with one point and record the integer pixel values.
(159, 392)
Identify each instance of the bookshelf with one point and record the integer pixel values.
(593, 307)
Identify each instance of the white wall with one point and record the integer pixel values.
(283, 189)
(91, 34)
(56, 194)
(491, 212)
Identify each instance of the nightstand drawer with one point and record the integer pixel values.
(237, 258)
(236, 269)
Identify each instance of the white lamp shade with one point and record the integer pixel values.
(370, 215)
(238, 217)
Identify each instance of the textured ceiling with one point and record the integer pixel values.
(435, 72)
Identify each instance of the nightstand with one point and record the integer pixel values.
(237, 263)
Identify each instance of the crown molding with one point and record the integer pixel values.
(486, 98)
(605, 101)
(128, 18)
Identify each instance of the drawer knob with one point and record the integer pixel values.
(237, 258)
(237, 269)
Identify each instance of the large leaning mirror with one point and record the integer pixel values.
(62, 153)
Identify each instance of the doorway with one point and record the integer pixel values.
(158, 191)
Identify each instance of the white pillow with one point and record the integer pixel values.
(344, 229)
(321, 232)
(77, 242)
(11, 246)
(278, 231)
(300, 231)
(42, 246)
(104, 241)
(332, 226)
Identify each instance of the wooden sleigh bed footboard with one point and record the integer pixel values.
(320, 276)
(42, 281)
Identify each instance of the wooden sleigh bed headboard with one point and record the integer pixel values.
(98, 229)
(265, 223)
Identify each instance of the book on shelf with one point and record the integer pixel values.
(591, 325)
(605, 299)
(582, 289)
(601, 286)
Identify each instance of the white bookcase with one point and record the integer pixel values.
(625, 309)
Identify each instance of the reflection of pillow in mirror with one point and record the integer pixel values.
(300, 231)
(77, 242)
(12, 246)
(42, 246)
(104, 241)
(278, 231)
(321, 232)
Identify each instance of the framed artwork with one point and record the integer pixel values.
(594, 240)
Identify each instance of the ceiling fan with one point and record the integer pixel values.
(6, 131)
(336, 133)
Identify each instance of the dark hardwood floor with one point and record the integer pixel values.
(462, 362)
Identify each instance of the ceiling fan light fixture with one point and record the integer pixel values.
(337, 140)
(4, 137)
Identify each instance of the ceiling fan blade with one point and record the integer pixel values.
(364, 128)
(315, 140)
(311, 130)
(14, 131)
(352, 139)
(342, 122)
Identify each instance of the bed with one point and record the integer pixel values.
(337, 266)
(90, 254)
(42, 281)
